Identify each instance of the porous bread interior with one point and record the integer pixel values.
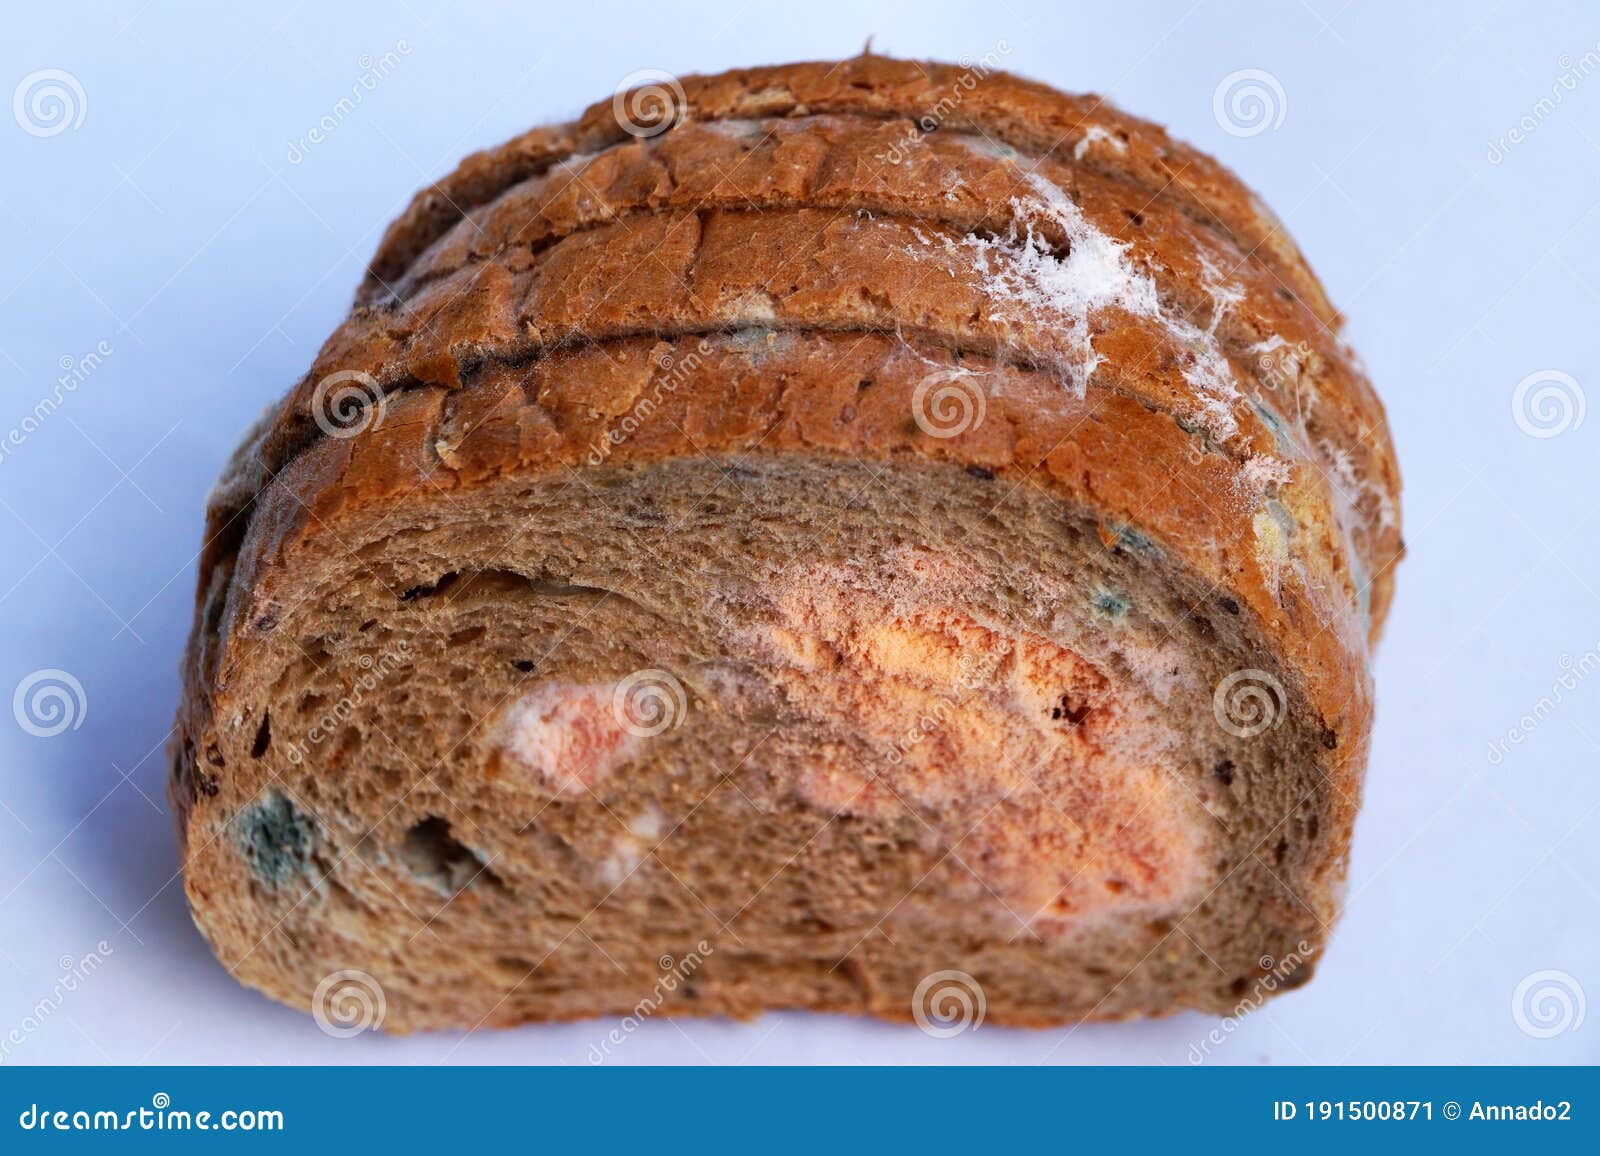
(476, 895)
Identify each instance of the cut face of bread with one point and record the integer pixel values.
(772, 708)
(833, 600)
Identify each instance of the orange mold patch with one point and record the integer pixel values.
(1041, 776)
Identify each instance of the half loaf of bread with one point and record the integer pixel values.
(796, 538)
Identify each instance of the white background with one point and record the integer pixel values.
(172, 225)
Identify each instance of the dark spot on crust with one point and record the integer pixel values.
(1228, 604)
(1224, 772)
(1329, 738)
(524, 664)
(981, 472)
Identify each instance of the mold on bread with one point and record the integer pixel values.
(275, 839)
(863, 554)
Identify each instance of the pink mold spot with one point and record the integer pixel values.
(569, 736)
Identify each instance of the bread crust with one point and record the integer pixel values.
(775, 167)
(1024, 114)
(513, 343)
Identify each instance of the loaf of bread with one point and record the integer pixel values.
(786, 538)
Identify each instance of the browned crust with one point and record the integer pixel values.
(849, 165)
(474, 297)
(482, 312)
(676, 273)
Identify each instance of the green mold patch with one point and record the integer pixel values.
(1280, 429)
(276, 839)
(1109, 602)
